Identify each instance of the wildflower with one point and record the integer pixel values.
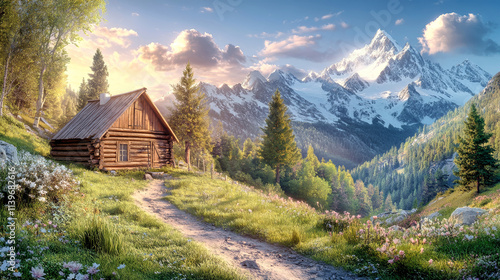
(422, 250)
(73, 266)
(431, 261)
(17, 274)
(391, 261)
(401, 253)
(121, 266)
(37, 272)
(93, 269)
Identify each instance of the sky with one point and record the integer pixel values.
(148, 43)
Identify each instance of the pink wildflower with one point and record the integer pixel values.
(401, 253)
(421, 250)
(431, 261)
(37, 272)
(391, 261)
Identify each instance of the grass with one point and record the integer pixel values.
(12, 131)
(104, 226)
(446, 252)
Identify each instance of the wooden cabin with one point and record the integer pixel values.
(123, 131)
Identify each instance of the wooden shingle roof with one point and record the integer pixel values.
(94, 119)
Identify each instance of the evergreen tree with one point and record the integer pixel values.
(278, 147)
(98, 82)
(312, 158)
(82, 95)
(249, 149)
(189, 118)
(475, 157)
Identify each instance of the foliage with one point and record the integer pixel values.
(278, 142)
(475, 157)
(98, 81)
(189, 118)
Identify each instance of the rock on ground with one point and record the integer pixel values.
(8, 152)
(466, 215)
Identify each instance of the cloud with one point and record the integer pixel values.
(399, 21)
(190, 46)
(207, 10)
(135, 14)
(295, 46)
(328, 16)
(305, 29)
(344, 25)
(265, 35)
(199, 49)
(120, 36)
(453, 32)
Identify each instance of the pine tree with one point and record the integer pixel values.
(98, 82)
(189, 118)
(82, 95)
(278, 147)
(475, 157)
(312, 158)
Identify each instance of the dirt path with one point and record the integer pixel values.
(258, 259)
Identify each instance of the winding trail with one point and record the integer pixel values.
(255, 258)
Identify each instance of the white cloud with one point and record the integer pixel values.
(453, 32)
(116, 35)
(344, 25)
(207, 10)
(302, 47)
(305, 29)
(135, 14)
(399, 21)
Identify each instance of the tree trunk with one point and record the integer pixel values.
(39, 102)
(187, 155)
(278, 174)
(4, 85)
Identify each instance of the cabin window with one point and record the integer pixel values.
(123, 152)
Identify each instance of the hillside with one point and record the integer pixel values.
(422, 166)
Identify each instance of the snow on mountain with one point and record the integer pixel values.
(380, 86)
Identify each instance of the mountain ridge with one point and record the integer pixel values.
(380, 86)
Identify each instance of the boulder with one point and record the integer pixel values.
(148, 177)
(8, 152)
(466, 215)
(434, 216)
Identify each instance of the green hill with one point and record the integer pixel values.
(422, 166)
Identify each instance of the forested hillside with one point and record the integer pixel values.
(422, 166)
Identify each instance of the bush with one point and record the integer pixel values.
(38, 180)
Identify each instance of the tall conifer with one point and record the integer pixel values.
(475, 157)
(278, 147)
(98, 81)
(189, 119)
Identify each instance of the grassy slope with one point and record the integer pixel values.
(452, 199)
(293, 224)
(150, 248)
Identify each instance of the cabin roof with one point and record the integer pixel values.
(94, 119)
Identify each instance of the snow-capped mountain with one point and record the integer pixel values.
(355, 108)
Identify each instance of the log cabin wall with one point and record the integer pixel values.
(136, 139)
(76, 150)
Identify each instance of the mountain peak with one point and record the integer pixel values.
(252, 79)
(383, 41)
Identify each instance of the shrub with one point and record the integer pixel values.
(38, 180)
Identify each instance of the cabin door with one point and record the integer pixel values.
(153, 155)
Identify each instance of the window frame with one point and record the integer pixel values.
(118, 150)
